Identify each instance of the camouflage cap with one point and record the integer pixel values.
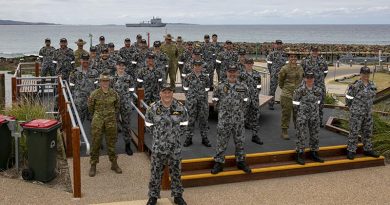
(111, 45)
(168, 37)
(232, 67)
(166, 86)
(80, 42)
(198, 62)
(105, 50)
(206, 36)
(121, 61)
(249, 61)
(84, 56)
(101, 38)
(150, 55)
(157, 44)
(279, 42)
(92, 49)
(143, 41)
(365, 70)
(197, 51)
(63, 40)
(47, 40)
(242, 51)
(105, 76)
(127, 39)
(309, 75)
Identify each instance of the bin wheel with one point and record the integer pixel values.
(27, 174)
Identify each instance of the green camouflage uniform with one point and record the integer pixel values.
(77, 56)
(172, 52)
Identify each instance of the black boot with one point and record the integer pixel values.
(206, 142)
(244, 167)
(128, 149)
(218, 167)
(256, 139)
(152, 201)
(188, 142)
(271, 106)
(350, 155)
(179, 200)
(371, 153)
(315, 157)
(300, 158)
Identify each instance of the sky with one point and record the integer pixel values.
(96, 12)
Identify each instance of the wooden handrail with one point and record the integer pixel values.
(141, 121)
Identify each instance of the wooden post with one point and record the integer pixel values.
(165, 184)
(36, 69)
(76, 162)
(2, 91)
(14, 90)
(141, 121)
(68, 131)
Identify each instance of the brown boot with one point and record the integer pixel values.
(116, 168)
(285, 134)
(92, 170)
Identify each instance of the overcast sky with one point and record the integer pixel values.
(198, 11)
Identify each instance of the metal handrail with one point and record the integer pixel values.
(139, 111)
(142, 102)
(87, 145)
(19, 67)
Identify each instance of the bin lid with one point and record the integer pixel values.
(40, 123)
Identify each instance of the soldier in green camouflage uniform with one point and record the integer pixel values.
(150, 78)
(318, 65)
(104, 64)
(82, 82)
(64, 60)
(167, 120)
(231, 99)
(130, 55)
(252, 79)
(290, 77)
(170, 49)
(124, 85)
(46, 55)
(277, 58)
(224, 59)
(306, 100)
(196, 86)
(80, 51)
(104, 105)
(359, 99)
(101, 46)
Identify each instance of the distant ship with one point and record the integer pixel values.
(154, 22)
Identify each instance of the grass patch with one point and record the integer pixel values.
(330, 99)
(381, 80)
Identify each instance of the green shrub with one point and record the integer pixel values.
(329, 99)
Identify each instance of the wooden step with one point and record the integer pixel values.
(196, 172)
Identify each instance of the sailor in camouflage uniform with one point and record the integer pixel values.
(150, 78)
(130, 55)
(124, 85)
(207, 49)
(359, 99)
(185, 57)
(82, 82)
(161, 59)
(104, 64)
(196, 56)
(138, 43)
(196, 86)
(306, 100)
(104, 104)
(114, 56)
(252, 79)
(79, 52)
(101, 46)
(46, 54)
(224, 59)
(231, 99)
(167, 119)
(277, 58)
(215, 44)
(64, 60)
(142, 54)
(318, 65)
(290, 77)
(93, 57)
(241, 59)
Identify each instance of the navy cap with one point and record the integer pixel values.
(104, 50)
(365, 70)
(84, 56)
(127, 39)
(249, 61)
(47, 40)
(101, 38)
(232, 67)
(198, 62)
(150, 55)
(157, 44)
(314, 48)
(121, 61)
(139, 36)
(206, 36)
(63, 40)
(279, 42)
(197, 51)
(229, 42)
(214, 35)
(143, 41)
(242, 51)
(166, 86)
(309, 74)
(93, 49)
(190, 43)
(111, 45)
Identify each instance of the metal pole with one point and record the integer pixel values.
(148, 39)
(2, 91)
(90, 40)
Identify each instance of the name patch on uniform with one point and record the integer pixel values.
(240, 89)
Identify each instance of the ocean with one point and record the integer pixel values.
(20, 40)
